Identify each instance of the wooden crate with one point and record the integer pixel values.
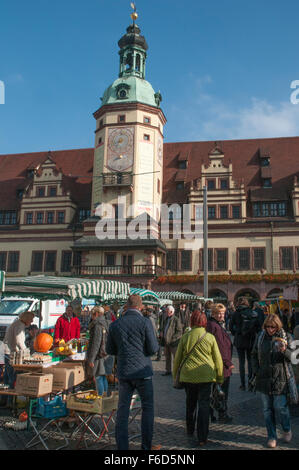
(98, 406)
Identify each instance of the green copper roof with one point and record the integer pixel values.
(131, 89)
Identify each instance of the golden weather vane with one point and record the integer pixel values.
(134, 15)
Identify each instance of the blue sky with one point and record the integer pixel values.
(224, 68)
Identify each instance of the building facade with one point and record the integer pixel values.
(60, 210)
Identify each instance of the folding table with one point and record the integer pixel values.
(89, 415)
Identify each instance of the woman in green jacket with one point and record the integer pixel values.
(201, 368)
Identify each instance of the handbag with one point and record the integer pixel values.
(176, 383)
(292, 391)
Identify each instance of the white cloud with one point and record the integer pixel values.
(210, 118)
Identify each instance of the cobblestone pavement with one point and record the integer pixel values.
(246, 432)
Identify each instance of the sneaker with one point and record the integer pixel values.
(242, 387)
(271, 443)
(287, 436)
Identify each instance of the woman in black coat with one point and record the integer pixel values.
(270, 357)
(216, 326)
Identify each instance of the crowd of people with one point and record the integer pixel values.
(197, 341)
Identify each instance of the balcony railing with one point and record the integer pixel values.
(118, 179)
(118, 270)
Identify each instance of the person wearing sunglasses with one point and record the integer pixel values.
(270, 357)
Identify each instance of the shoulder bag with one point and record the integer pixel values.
(176, 383)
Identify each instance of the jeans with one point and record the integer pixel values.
(9, 377)
(198, 408)
(243, 354)
(145, 390)
(278, 404)
(101, 384)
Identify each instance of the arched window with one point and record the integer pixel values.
(137, 66)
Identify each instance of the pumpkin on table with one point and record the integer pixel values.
(43, 342)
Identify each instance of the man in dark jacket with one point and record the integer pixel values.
(132, 340)
(216, 326)
(244, 327)
(171, 332)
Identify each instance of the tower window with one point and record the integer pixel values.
(122, 118)
(146, 137)
(137, 67)
(146, 120)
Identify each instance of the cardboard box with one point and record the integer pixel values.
(65, 377)
(34, 384)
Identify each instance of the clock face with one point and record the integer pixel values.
(120, 149)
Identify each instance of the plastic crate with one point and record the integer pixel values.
(55, 408)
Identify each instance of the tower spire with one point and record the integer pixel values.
(133, 49)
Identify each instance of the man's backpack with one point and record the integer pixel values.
(249, 324)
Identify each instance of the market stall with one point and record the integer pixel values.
(48, 377)
(176, 296)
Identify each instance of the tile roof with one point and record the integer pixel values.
(245, 158)
(76, 166)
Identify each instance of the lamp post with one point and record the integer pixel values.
(205, 244)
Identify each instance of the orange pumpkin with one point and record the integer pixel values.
(43, 342)
(23, 417)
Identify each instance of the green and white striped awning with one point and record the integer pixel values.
(148, 296)
(70, 288)
(174, 295)
(2, 281)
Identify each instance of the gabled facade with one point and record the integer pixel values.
(49, 200)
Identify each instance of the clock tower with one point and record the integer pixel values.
(128, 157)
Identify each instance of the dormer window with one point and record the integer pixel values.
(265, 161)
(180, 185)
(183, 164)
(267, 183)
(20, 193)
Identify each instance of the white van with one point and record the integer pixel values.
(11, 307)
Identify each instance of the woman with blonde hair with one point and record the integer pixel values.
(270, 362)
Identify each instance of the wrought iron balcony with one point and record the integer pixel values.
(118, 179)
(118, 270)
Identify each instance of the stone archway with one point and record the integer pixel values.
(218, 296)
(250, 294)
(277, 291)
